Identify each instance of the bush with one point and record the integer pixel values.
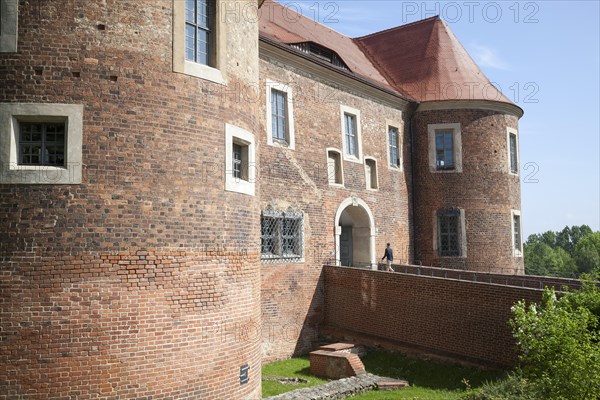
(512, 388)
(560, 343)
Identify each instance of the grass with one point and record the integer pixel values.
(293, 368)
(428, 380)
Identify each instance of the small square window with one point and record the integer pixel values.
(41, 144)
(240, 161)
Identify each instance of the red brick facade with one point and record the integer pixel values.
(143, 281)
(445, 317)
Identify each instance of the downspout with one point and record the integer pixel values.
(412, 180)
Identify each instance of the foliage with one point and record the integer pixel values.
(567, 253)
(559, 340)
(513, 387)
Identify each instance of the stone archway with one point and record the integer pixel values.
(355, 234)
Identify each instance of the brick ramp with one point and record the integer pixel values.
(339, 389)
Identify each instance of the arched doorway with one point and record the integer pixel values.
(355, 234)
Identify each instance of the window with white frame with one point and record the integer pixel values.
(394, 147)
(280, 115)
(445, 147)
(41, 143)
(281, 236)
(371, 173)
(513, 151)
(516, 233)
(199, 39)
(9, 15)
(240, 171)
(351, 134)
(335, 175)
(450, 233)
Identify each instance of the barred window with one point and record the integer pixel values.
(281, 235)
(41, 144)
(448, 233)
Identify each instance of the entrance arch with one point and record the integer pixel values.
(355, 234)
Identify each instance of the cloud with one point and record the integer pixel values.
(486, 57)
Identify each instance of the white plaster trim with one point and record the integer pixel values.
(233, 184)
(516, 252)
(356, 202)
(400, 127)
(376, 174)
(457, 138)
(11, 114)
(290, 134)
(9, 13)
(516, 133)
(352, 111)
(505, 108)
(339, 153)
(215, 73)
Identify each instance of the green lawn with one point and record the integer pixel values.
(293, 368)
(428, 380)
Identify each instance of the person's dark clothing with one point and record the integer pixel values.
(389, 254)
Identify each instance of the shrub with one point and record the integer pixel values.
(560, 343)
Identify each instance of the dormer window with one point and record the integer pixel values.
(321, 52)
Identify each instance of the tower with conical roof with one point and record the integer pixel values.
(464, 132)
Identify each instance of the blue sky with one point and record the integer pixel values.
(544, 55)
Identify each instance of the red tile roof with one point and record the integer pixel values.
(427, 61)
(423, 59)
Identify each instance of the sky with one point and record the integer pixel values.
(545, 57)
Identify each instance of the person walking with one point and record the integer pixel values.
(389, 254)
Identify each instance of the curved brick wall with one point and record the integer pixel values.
(484, 189)
(143, 281)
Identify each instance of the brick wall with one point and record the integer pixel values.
(292, 293)
(484, 189)
(446, 317)
(142, 281)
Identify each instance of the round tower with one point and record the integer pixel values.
(128, 216)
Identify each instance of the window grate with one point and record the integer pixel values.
(41, 144)
(448, 233)
(281, 236)
(517, 232)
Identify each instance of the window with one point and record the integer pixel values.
(513, 151)
(280, 115)
(351, 134)
(8, 25)
(394, 147)
(444, 150)
(322, 53)
(281, 236)
(516, 230)
(199, 22)
(40, 143)
(371, 173)
(450, 233)
(240, 171)
(445, 147)
(334, 168)
(198, 39)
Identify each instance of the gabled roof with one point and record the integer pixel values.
(286, 26)
(426, 60)
(422, 60)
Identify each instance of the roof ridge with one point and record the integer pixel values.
(395, 28)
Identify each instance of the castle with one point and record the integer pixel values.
(174, 175)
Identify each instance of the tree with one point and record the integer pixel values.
(587, 253)
(541, 259)
(559, 343)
